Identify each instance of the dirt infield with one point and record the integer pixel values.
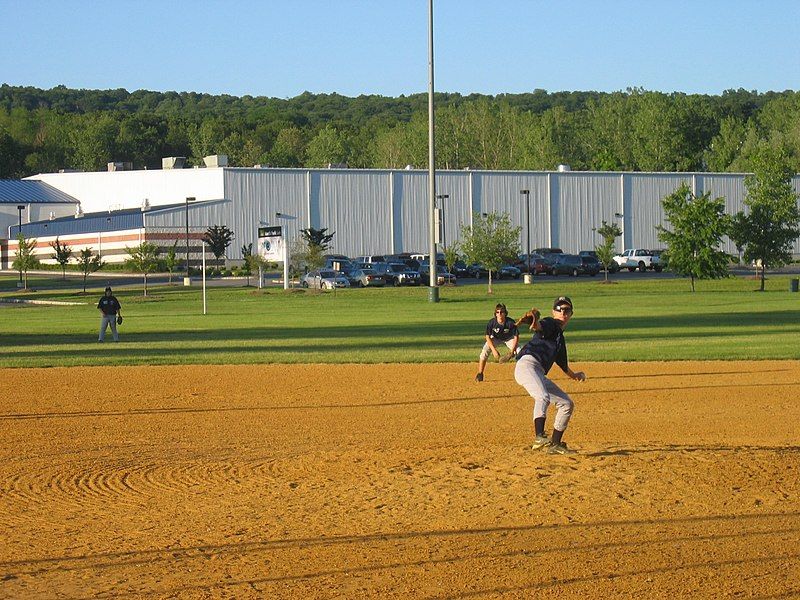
(398, 481)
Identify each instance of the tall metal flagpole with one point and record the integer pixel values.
(433, 291)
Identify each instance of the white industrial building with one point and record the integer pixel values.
(371, 211)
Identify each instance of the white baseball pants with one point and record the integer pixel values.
(530, 375)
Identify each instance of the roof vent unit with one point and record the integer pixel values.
(145, 204)
(337, 165)
(409, 167)
(78, 211)
(216, 160)
(52, 216)
(173, 162)
(564, 168)
(120, 166)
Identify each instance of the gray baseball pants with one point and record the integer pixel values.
(530, 375)
(105, 321)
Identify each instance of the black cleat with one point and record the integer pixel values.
(479, 377)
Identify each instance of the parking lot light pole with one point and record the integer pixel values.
(527, 194)
(188, 199)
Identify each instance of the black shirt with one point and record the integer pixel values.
(504, 332)
(548, 346)
(109, 305)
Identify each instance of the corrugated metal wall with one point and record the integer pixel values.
(382, 211)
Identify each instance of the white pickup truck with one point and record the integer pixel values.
(639, 258)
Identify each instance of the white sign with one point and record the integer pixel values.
(271, 243)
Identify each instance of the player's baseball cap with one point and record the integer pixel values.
(108, 289)
(562, 301)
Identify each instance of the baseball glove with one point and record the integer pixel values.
(119, 319)
(530, 318)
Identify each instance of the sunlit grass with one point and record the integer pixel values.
(630, 320)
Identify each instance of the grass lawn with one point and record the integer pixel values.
(630, 320)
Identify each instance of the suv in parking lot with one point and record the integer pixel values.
(401, 274)
(567, 264)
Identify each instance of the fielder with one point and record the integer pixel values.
(501, 328)
(111, 314)
(534, 360)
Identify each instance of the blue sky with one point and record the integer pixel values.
(282, 48)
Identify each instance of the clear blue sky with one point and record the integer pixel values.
(281, 48)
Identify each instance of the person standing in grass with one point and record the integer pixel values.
(499, 329)
(110, 310)
(534, 360)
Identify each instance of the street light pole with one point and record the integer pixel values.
(527, 194)
(433, 290)
(20, 208)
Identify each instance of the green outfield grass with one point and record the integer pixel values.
(628, 321)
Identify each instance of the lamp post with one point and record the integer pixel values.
(20, 208)
(527, 194)
(433, 291)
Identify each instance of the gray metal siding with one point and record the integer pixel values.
(583, 203)
(643, 210)
(357, 208)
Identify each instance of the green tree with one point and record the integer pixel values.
(605, 251)
(218, 238)
(491, 241)
(171, 261)
(89, 263)
(769, 229)
(288, 149)
(317, 237)
(329, 146)
(143, 259)
(25, 258)
(451, 256)
(62, 253)
(698, 225)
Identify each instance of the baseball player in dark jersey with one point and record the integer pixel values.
(500, 329)
(534, 360)
(109, 308)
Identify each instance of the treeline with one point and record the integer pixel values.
(636, 130)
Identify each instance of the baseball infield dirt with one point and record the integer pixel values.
(398, 481)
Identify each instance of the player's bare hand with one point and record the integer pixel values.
(579, 376)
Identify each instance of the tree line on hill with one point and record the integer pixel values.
(634, 130)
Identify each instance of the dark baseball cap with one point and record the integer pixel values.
(108, 289)
(561, 301)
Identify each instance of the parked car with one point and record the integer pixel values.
(591, 265)
(546, 251)
(371, 258)
(522, 262)
(325, 279)
(505, 272)
(401, 274)
(366, 278)
(442, 274)
(460, 269)
(548, 261)
(339, 264)
(587, 253)
(638, 258)
(567, 264)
